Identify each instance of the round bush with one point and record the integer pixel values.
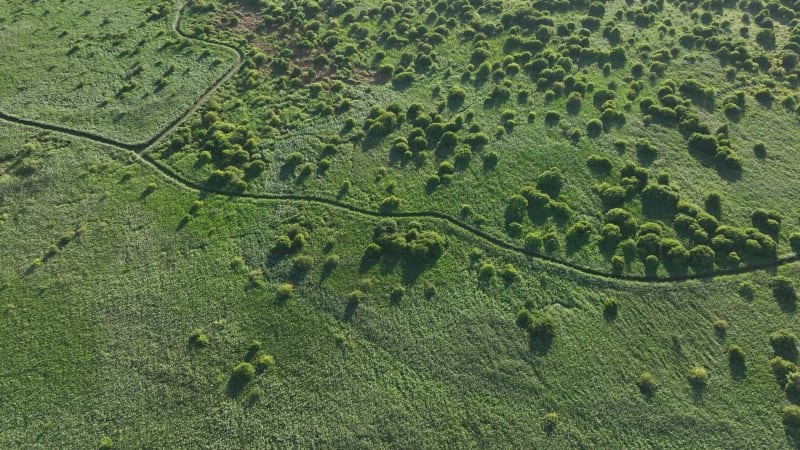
(594, 127)
(791, 416)
(784, 343)
(698, 376)
(243, 372)
(647, 384)
(736, 355)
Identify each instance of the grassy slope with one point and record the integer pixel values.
(96, 337)
(67, 63)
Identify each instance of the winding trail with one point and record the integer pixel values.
(140, 150)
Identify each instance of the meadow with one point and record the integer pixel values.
(452, 224)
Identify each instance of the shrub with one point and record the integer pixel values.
(784, 343)
(550, 421)
(302, 263)
(720, 327)
(264, 362)
(698, 376)
(243, 373)
(791, 416)
(610, 307)
(781, 368)
(601, 164)
(647, 384)
(197, 338)
(792, 387)
(794, 241)
(524, 319)
(486, 271)
(594, 127)
(390, 203)
(543, 327)
(397, 294)
(509, 273)
(551, 118)
(550, 181)
(736, 355)
(782, 288)
(285, 291)
(533, 242)
(746, 290)
(106, 443)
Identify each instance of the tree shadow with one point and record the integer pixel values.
(539, 344)
(738, 369)
(236, 385)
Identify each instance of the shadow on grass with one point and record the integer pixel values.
(738, 370)
(539, 344)
(236, 386)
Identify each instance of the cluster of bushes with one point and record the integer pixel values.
(413, 241)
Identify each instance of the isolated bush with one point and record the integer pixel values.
(550, 421)
(486, 271)
(285, 291)
(783, 289)
(243, 373)
(721, 327)
(698, 376)
(594, 127)
(736, 355)
(610, 307)
(647, 384)
(784, 344)
(599, 164)
(106, 443)
(543, 326)
(197, 338)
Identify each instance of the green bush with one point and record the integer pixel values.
(791, 416)
(303, 263)
(106, 443)
(736, 355)
(721, 327)
(697, 376)
(285, 291)
(610, 307)
(486, 271)
(243, 373)
(550, 421)
(542, 327)
(784, 343)
(781, 368)
(647, 384)
(594, 127)
(264, 362)
(197, 338)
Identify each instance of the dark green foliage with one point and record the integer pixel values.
(647, 384)
(698, 377)
(551, 181)
(243, 373)
(197, 338)
(784, 344)
(783, 290)
(791, 416)
(610, 308)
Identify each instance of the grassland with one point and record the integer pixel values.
(311, 130)
(280, 271)
(115, 70)
(97, 335)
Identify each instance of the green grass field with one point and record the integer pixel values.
(284, 270)
(115, 70)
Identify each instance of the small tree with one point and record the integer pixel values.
(698, 377)
(647, 384)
